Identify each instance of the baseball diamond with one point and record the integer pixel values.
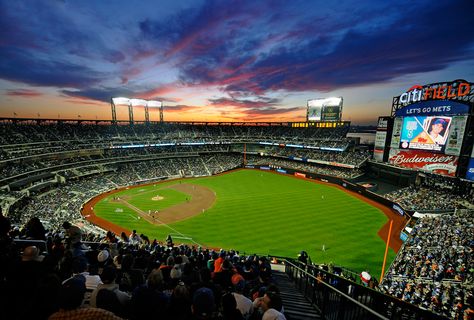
(246, 209)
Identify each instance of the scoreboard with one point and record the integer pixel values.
(430, 129)
(324, 109)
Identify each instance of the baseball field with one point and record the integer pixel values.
(255, 212)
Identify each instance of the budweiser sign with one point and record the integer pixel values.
(402, 158)
(426, 161)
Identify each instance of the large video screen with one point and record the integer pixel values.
(331, 113)
(428, 133)
(325, 109)
(314, 109)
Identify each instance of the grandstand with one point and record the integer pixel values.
(51, 168)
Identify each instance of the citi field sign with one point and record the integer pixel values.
(453, 90)
(435, 99)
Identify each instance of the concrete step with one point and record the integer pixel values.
(295, 305)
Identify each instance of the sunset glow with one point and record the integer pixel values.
(226, 60)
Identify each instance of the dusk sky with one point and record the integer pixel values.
(226, 60)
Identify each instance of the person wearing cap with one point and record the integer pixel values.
(103, 255)
(243, 303)
(169, 241)
(73, 239)
(204, 305)
(437, 126)
(79, 268)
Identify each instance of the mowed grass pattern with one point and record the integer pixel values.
(262, 212)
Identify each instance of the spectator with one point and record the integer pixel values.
(134, 237)
(108, 276)
(34, 229)
(149, 299)
(74, 239)
(270, 305)
(243, 304)
(229, 308)
(129, 277)
(79, 267)
(71, 297)
(203, 306)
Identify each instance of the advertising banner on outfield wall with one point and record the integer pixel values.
(426, 161)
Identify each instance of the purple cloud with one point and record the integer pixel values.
(246, 49)
(324, 56)
(262, 102)
(26, 93)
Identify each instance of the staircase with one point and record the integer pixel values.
(295, 305)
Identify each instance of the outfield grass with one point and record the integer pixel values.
(266, 213)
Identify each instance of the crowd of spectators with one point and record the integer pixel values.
(434, 192)
(435, 267)
(430, 198)
(64, 202)
(446, 183)
(355, 158)
(32, 131)
(30, 138)
(12, 168)
(128, 276)
(340, 172)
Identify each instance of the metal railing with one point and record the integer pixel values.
(338, 298)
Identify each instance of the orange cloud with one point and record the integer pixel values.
(25, 93)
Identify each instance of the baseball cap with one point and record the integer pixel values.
(103, 256)
(203, 302)
(72, 293)
(440, 121)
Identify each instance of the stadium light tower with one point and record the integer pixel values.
(135, 103)
(153, 104)
(115, 102)
(130, 103)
